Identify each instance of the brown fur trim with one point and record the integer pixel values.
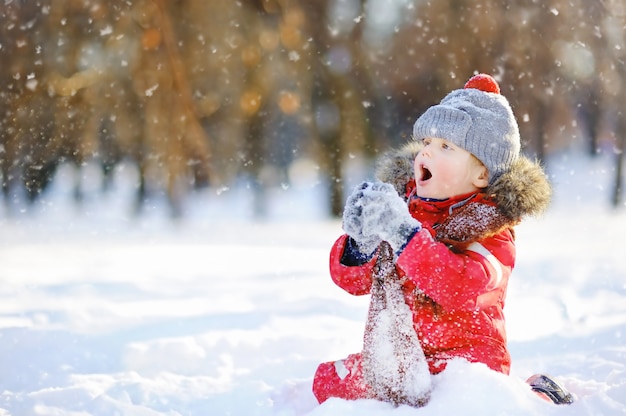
(396, 167)
(522, 191)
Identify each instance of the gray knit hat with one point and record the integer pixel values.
(478, 119)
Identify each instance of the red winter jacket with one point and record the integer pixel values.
(456, 292)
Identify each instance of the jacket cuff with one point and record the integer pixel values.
(356, 280)
(406, 233)
(352, 256)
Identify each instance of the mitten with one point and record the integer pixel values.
(385, 216)
(353, 224)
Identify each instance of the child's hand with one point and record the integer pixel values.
(385, 216)
(352, 221)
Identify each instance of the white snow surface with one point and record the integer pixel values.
(222, 314)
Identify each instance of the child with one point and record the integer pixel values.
(446, 205)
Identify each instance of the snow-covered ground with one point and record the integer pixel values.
(102, 314)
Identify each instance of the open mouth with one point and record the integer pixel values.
(426, 174)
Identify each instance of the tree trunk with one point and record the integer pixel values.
(619, 162)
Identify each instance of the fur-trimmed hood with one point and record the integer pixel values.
(521, 192)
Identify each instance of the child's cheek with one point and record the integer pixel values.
(416, 168)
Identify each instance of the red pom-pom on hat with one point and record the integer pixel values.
(484, 83)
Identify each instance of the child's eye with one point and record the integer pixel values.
(447, 146)
(425, 142)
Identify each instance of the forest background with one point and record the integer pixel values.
(213, 93)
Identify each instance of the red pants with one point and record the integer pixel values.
(342, 379)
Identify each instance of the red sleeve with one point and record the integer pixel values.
(475, 277)
(356, 280)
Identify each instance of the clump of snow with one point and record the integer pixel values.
(103, 314)
(394, 364)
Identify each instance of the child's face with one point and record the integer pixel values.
(444, 170)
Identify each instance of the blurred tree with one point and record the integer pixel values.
(618, 185)
(613, 76)
(27, 110)
(342, 93)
